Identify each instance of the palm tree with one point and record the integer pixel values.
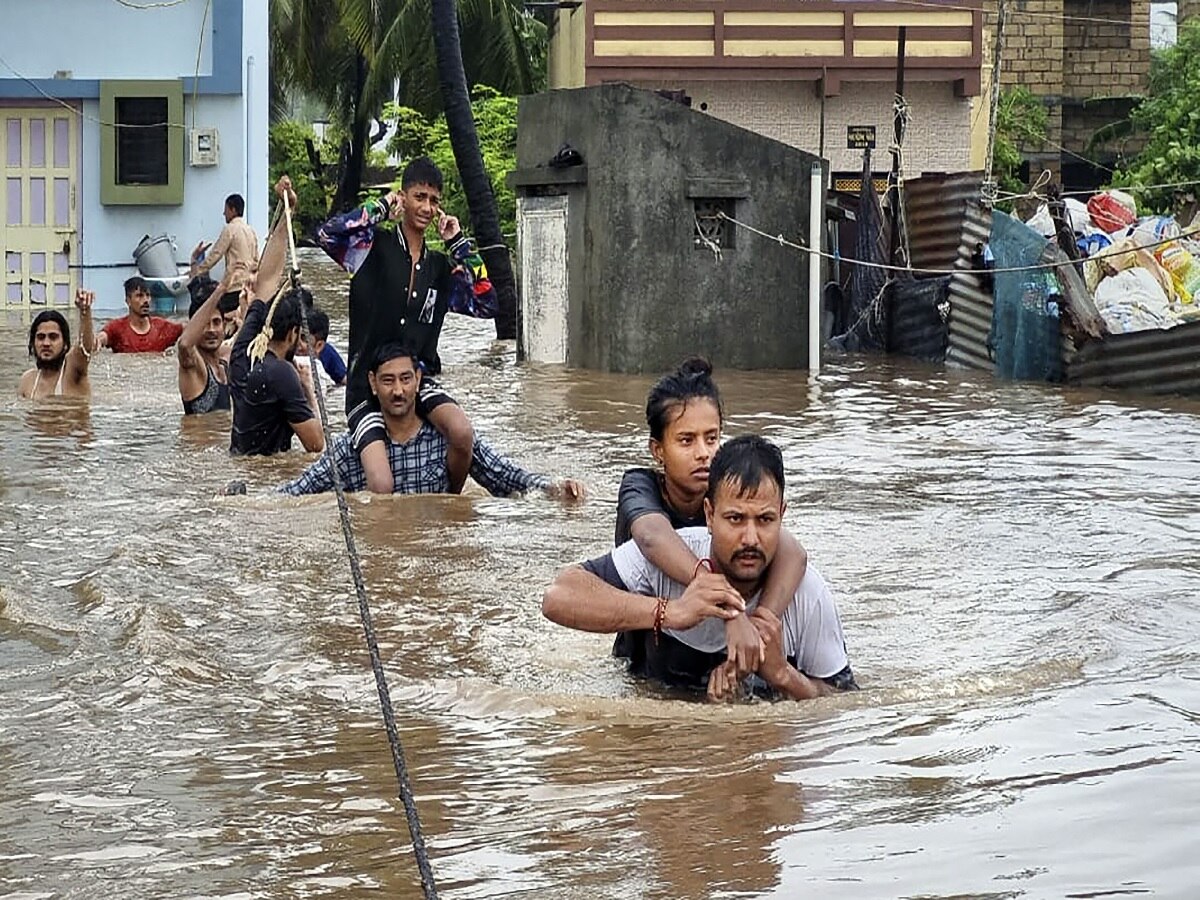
(356, 55)
(476, 185)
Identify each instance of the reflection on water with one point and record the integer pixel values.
(186, 707)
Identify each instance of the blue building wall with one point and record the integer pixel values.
(84, 42)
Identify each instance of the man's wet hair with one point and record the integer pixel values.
(135, 284)
(287, 316)
(237, 203)
(50, 315)
(421, 170)
(743, 463)
(672, 393)
(318, 324)
(393, 350)
(200, 289)
(229, 301)
(304, 295)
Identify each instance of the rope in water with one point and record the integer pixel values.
(364, 608)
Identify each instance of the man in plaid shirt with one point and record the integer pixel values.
(416, 450)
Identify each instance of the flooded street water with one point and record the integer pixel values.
(187, 710)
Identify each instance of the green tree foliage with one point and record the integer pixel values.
(353, 55)
(496, 122)
(1170, 117)
(288, 155)
(1020, 123)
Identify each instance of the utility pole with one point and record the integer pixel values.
(897, 140)
(989, 185)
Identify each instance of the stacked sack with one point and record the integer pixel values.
(1142, 273)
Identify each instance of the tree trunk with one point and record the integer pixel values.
(355, 155)
(460, 123)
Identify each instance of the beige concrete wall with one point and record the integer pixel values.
(938, 138)
(565, 64)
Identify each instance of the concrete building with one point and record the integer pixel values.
(799, 71)
(121, 122)
(626, 263)
(1086, 59)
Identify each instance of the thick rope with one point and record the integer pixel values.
(258, 347)
(364, 609)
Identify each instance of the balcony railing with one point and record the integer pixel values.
(760, 39)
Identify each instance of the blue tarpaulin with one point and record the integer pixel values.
(1025, 339)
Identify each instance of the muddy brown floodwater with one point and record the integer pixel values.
(186, 708)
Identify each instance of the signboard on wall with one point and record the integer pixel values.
(860, 137)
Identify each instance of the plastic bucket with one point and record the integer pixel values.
(155, 257)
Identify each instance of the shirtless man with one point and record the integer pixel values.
(204, 359)
(60, 369)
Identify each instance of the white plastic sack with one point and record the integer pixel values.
(1079, 217)
(1153, 230)
(1133, 300)
(1126, 200)
(1042, 222)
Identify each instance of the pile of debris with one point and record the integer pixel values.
(1141, 271)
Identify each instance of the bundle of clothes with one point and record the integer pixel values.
(1141, 271)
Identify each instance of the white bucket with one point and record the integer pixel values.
(155, 257)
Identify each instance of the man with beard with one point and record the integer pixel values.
(204, 358)
(416, 451)
(59, 369)
(138, 332)
(684, 625)
(272, 398)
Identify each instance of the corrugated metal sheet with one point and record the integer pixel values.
(1156, 362)
(933, 207)
(970, 299)
(945, 224)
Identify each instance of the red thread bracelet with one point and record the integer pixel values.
(660, 613)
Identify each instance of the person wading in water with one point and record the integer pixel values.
(204, 359)
(683, 411)
(400, 293)
(804, 653)
(60, 369)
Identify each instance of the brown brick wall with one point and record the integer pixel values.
(1064, 60)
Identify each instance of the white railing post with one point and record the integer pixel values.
(815, 233)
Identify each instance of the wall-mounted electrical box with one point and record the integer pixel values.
(204, 147)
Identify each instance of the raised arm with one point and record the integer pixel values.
(347, 238)
(201, 264)
(80, 355)
(273, 261)
(239, 359)
(189, 356)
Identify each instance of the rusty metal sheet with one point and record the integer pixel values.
(934, 208)
(1154, 361)
(945, 223)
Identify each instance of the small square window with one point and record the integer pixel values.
(141, 143)
(713, 230)
(142, 131)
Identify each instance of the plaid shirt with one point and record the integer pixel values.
(419, 467)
